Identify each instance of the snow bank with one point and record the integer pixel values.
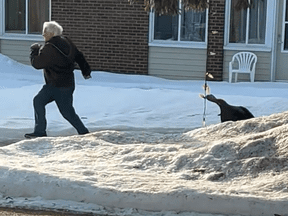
(229, 168)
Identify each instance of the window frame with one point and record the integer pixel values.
(180, 44)
(270, 20)
(284, 22)
(15, 36)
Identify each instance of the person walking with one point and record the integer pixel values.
(57, 59)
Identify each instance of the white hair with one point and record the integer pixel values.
(53, 27)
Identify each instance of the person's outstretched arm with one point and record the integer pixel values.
(83, 64)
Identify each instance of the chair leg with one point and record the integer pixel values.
(236, 77)
(230, 77)
(252, 76)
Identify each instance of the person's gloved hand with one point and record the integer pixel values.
(35, 48)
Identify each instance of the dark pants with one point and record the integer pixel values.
(64, 99)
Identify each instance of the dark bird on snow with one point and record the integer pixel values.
(229, 112)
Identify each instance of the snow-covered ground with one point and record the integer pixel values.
(147, 153)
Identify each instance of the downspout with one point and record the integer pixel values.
(274, 42)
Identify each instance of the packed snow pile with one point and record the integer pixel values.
(247, 157)
(236, 162)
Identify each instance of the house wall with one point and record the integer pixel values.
(262, 71)
(112, 34)
(177, 63)
(193, 63)
(18, 50)
(183, 63)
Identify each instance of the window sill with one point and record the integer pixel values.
(243, 47)
(176, 44)
(22, 37)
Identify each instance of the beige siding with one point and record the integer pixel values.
(177, 63)
(171, 63)
(263, 67)
(16, 49)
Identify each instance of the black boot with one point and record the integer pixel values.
(83, 133)
(34, 135)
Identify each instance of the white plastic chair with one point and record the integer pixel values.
(246, 64)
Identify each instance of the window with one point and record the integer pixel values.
(26, 16)
(286, 27)
(189, 26)
(248, 26)
(166, 28)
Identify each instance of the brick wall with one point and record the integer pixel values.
(112, 34)
(216, 25)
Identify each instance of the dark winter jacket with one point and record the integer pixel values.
(57, 57)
